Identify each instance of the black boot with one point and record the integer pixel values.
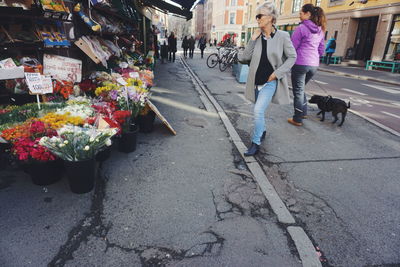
(252, 150)
(263, 136)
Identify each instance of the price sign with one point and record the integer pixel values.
(34, 82)
(47, 85)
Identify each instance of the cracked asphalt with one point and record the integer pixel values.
(340, 183)
(185, 200)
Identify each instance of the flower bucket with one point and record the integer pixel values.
(45, 173)
(103, 155)
(146, 122)
(81, 175)
(128, 140)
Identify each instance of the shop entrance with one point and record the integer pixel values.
(365, 38)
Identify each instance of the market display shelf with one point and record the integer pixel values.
(115, 13)
(7, 13)
(30, 46)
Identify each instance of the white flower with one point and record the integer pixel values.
(66, 142)
(91, 139)
(108, 142)
(61, 145)
(86, 148)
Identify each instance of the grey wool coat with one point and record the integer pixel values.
(282, 56)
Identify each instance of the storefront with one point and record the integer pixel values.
(75, 79)
(393, 46)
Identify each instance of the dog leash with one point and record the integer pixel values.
(321, 87)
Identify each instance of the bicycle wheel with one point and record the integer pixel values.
(223, 65)
(212, 60)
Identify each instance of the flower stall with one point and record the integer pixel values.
(72, 90)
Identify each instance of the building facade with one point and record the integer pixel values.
(364, 29)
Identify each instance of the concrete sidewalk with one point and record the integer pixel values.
(361, 73)
(340, 183)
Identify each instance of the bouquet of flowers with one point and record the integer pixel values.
(28, 148)
(78, 143)
(77, 110)
(133, 97)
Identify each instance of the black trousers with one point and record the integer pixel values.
(202, 52)
(171, 56)
(328, 58)
(185, 52)
(191, 51)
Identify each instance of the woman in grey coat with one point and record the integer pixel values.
(271, 55)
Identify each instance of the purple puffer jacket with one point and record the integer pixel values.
(308, 40)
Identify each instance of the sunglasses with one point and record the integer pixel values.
(259, 16)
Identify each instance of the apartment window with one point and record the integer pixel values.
(233, 2)
(296, 5)
(318, 3)
(281, 7)
(232, 18)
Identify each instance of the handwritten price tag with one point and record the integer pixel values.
(34, 82)
(47, 85)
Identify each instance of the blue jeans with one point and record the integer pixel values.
(301, 75)
(263, 98)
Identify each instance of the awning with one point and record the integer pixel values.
(166, 7)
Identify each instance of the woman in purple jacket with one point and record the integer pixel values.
(308, 40)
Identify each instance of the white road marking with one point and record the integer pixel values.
(390, 114)
(320, 82)
(359, 102)
(382, 88)
(352, 91)
(395, 103)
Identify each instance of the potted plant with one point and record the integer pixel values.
(131, 98)
(43, 166)
(78, 146)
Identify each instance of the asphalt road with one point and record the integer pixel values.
(340, 183)
(377, 101)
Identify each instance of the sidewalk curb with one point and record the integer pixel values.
(302, 242)
(366, 78)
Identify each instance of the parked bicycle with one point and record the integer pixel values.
(229, 59)
(216, 58)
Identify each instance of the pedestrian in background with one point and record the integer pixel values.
(185, 46)
(202, 44)
(271, 55)
(164, 52)
(192, 43)
(308, 40)
(172, 47)
(330, 49)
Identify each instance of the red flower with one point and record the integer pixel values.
(25, 149)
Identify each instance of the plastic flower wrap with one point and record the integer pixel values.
(132, 98)
(82, 111)
(75, 143)
(79, 100)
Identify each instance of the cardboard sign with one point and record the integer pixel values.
(62, 68)
(161, 117)
(47, 85)
(34, 82)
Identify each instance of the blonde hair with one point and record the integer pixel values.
(268, 9)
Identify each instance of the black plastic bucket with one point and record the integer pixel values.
(81, 175)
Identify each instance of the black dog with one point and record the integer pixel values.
(328, 104)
